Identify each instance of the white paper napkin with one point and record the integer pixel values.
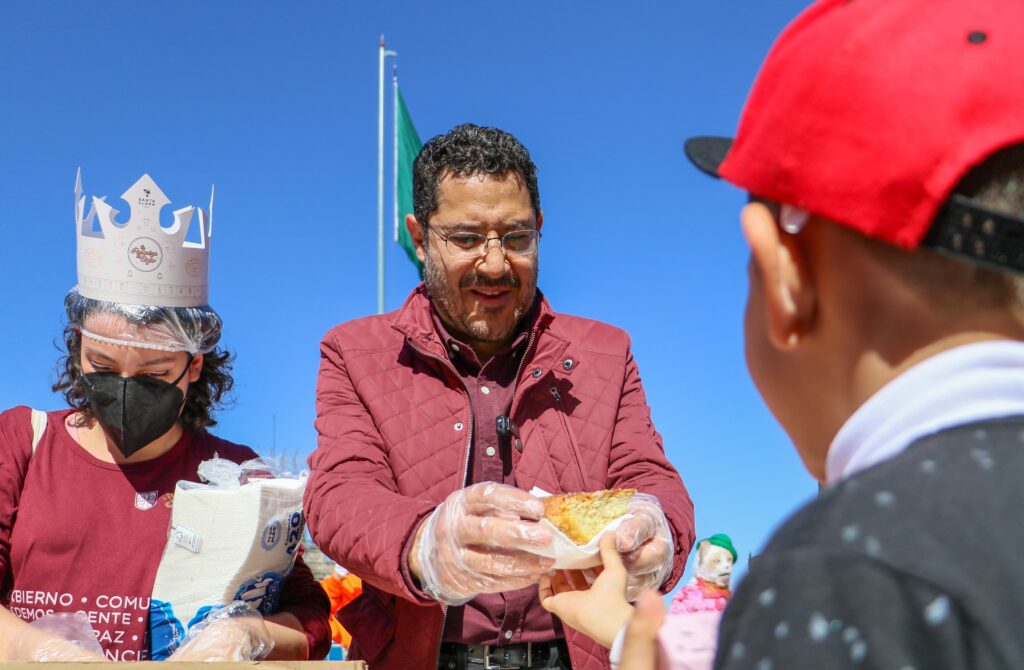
(567, 554)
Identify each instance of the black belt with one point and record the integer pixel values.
(455, 656)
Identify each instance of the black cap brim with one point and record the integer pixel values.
(707, 153)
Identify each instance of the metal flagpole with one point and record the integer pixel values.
(394, 181)
(380, 177)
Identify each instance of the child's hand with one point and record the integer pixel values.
(640, 647)
(598, 610)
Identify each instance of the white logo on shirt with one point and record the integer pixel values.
(146, 499)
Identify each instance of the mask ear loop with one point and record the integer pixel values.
(184, 372)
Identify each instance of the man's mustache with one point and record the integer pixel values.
(476, 281)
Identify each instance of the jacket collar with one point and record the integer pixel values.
(414, 320)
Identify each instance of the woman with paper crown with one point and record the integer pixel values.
(86, 494)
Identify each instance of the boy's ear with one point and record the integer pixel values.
(780, 259)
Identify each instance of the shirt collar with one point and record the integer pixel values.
(969, 383)
(460, 352)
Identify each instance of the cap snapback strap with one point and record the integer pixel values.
(967, 230)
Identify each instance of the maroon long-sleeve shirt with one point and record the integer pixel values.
(512, 616)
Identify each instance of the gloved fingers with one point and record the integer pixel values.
(62, 636)
(235, 632)
(500, 565)
(49, 650)
(649, 557)
(225, 640)
(491, 499)
(633, 532)
(500, 532)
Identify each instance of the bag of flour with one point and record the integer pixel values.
(235, 538)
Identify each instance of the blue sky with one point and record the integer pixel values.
(276, 104)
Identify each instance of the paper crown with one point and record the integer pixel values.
(140, 262)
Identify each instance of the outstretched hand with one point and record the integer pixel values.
(640, 646)
(597, 610)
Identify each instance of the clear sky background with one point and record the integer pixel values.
(276, 103)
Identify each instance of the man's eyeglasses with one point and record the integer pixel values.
(470, 245)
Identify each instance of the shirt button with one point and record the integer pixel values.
(567, 364)
(490, 451)
(458, 426)
(455, 347)
(485, 390)
(508, 635)
(536, 372)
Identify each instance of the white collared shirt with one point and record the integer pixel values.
(973, 382)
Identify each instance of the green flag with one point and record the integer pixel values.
(407, 147)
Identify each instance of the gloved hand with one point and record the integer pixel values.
(645, 542)
(473, 543)
(63, 636)
(235, 632)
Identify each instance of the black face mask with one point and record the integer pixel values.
(133, 411)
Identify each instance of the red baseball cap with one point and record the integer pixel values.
(868, 112)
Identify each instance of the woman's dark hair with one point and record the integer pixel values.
(192, 328)
(205, 396)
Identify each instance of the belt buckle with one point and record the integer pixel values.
(487, 659)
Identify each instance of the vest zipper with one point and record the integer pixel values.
(519, 371)
(568, 431)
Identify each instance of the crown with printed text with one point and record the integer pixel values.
(140, 262)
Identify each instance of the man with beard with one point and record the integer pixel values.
(435, 421)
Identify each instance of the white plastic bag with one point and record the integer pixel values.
(235, 538)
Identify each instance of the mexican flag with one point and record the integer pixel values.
(407, 147)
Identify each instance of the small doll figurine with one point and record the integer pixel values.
(709, 590)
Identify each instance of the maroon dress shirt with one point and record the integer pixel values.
(514, 616)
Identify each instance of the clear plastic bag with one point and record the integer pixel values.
(193, 329)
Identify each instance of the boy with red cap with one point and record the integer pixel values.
(883, 149)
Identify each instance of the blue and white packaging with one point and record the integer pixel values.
(235, 538)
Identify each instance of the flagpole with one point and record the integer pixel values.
(380, 176)
(394, 181)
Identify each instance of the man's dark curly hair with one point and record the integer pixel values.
(466, 151)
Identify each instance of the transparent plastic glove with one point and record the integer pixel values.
(54, 638)
(473, 543)
(235, 632)
(645, 542)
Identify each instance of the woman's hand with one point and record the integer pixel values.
(235, 632)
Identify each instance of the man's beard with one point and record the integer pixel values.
(448, 301)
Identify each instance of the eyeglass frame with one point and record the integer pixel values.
(485, 247)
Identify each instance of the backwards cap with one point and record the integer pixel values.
(869, 112)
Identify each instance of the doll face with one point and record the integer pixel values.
(714, 564)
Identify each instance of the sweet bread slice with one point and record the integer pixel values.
(582, 516)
